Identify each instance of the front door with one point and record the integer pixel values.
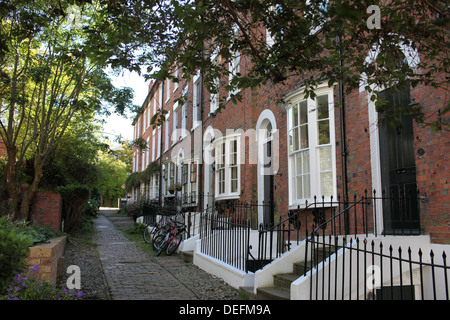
(398, 169)
(268, 205)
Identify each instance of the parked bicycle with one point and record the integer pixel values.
(170, 240)
(151, 229)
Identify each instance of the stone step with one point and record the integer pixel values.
(273, 293)
(187, 256)
(284, 280)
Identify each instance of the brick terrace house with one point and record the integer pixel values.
(280, 156)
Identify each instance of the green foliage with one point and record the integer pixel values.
(113, 175)
(310, 42)
(74, 197)
(13, 250)
(52, 80)
(136, 178)
(30, 287)
(137, 228)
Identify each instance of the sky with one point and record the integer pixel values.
(116, 124)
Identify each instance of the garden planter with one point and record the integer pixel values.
(48, 258)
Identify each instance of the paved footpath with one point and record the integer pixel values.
(133, 274)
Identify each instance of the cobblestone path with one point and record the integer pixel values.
(133, 274)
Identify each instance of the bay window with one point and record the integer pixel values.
(311, 147)
(189, 182)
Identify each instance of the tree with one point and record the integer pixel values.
(124, 153)
(51, 71)
(114, 173)
(310, 41)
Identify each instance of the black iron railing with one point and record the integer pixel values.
(225, 231)
(349, 268)
(341, 266)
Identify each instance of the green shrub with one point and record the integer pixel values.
(29, 287)
(137, 228)
(74, 197)
(13, 250)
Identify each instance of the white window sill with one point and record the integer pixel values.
(228, 196)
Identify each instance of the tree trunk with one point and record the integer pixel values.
(12, 186)
(27, 199)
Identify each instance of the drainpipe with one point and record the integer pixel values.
(200, 165)
(343, 141)
(161, 149)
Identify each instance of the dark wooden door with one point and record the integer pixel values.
(398, 169)
(268, 209)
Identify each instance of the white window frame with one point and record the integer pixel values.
(234, 70)
(215, 97)
(167, 85)
(158, 147)
(175, 123)
(190, 188)
(175, 83)
(153, 145)
(228, 165)
(313, 147)
(196, 96)
(167, 132)
(169, 176)
(183, 119)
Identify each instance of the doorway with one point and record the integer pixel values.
(398, 168)
(268, 205)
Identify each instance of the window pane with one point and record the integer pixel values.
(306, 162)
(222, 181)
(322, 107)
(295, 138)
(323, 129)
(299, 187)
(307, 186)
(290, 141)
(289, 119)
(298, 162)
(303, 112)
(233, 152)
(234, 180)
(304, 136)
(193, 172)
(295, 115)
(326, 184)
(325, 159)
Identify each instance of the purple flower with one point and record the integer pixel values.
(79, 294)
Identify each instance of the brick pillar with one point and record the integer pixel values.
(46, 209)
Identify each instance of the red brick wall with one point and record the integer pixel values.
(433, 167)
(46, 209)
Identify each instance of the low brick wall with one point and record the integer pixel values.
(46, 209)
(47, 256)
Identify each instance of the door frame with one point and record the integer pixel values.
(413, 59)
(265, 117)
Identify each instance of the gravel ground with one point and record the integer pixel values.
(85, 256)
(94, 286)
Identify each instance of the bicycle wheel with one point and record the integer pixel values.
(156, 238)
(173, 244)
(162, 244)
(149, 230)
